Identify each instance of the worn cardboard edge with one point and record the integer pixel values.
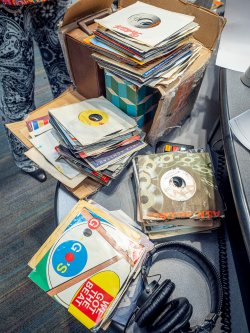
(70, 23)
(84, 8)
(86, 188)
(18, 128)
(193, 68)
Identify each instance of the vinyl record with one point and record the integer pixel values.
(178, 185)
(140, 19)
(72, 254)
(144, 21)
(93, 117)
(91, 120)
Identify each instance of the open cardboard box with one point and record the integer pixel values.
(176, 100)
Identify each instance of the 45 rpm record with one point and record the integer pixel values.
(72, 254)
(144, 21)
(93, 117)
(178, 185)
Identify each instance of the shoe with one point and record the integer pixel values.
(38, 174)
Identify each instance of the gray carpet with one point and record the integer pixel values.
(27, 219)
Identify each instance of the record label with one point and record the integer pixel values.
(144, 21)
(72, 255)
(178, 185)
(93, 117)
(69, 258)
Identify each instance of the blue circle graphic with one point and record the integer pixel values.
(69, 258)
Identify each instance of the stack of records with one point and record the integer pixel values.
(88, 262)
(145, 44)
(177, 194)
(92, 139)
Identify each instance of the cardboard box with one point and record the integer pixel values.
(133, 100)
(176, 100)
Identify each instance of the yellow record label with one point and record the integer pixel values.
(93, 117)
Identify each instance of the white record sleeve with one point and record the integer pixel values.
(146, 24)
(93, 120)
(46, 143)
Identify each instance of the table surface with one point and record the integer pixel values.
(235, 99)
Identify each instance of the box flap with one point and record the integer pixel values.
(19, 128)
(210, 23)
(79, 188)
(84, 8)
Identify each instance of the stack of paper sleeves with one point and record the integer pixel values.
(92, 139)
(88, 263)
(144, 44)
(177, 193)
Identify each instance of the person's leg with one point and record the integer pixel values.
(45, 22)
(16, 75)
(17, 78)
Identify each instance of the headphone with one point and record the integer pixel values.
(158, 315)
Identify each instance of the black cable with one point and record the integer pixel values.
(158, 274)
(223, 262)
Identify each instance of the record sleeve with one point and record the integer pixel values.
(177, 186)
(180, 230)
(87, 263)
(93, 120)
(101, 161)
(147, 24)
(46, 144)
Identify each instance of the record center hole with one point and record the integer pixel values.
(178, 181)
(87, 232)
(144, 199)
(95, 117)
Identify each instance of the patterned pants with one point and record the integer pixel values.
(18, 26)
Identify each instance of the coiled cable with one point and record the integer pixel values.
(223, 263)
(223, 260)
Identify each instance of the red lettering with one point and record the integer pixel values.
(217, 214)
(85, 304)
(99, 296)
(89, 284)
(78, 302)
(132, 33)
(95, 304)
(104, 306)
(81, 296)
(201, 215)
(94, 223)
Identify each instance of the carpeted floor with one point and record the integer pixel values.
(27, 219)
